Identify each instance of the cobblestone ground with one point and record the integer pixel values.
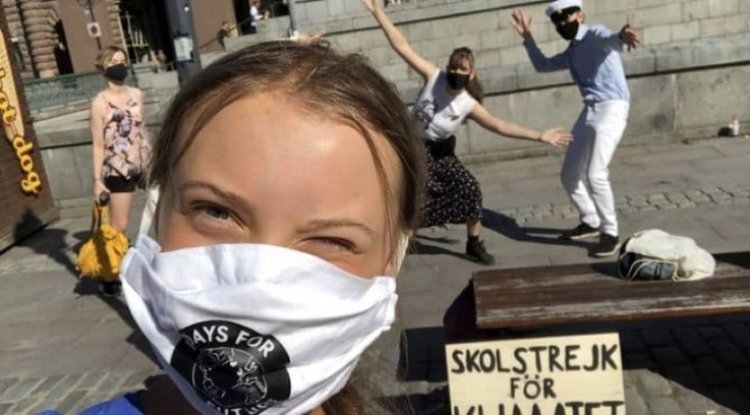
(691, 366)
(68, 394)
(665, 365)
(714, 196)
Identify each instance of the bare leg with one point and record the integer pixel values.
(119, 208)
(473, 226)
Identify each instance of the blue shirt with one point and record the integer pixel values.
(124, 405)
(593, 58)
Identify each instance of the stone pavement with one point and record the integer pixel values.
(63, 346)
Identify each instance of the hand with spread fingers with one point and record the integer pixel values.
(557, 137)
(521, 23)
(629, 37)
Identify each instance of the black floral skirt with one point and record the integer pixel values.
(453, 193)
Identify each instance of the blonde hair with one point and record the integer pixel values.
(106, 54)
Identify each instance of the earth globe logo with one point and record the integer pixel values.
(230, 378)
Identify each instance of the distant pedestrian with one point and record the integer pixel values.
(120, 144)
(224, 32)
(446, 100)
(256, 14)
(593, 58)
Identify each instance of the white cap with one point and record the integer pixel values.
(558, 5)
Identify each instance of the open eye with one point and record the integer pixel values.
(216, 212)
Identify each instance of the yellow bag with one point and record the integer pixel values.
(100, 256)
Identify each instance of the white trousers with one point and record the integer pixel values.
(595, 137)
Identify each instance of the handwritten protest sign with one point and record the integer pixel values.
(571, 375)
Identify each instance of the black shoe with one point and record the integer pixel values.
(110, 289)
(581, 231)
(475, 249)
(608, 245)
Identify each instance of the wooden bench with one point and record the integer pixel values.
(572, 294)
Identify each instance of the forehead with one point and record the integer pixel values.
(464, 64)
(117, 56)
(291, 162)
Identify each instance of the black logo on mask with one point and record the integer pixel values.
(236, 369)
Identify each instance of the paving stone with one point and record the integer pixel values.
(669, 356)
(669, 206)
(91, 399)
(26, 404)
(67, 384)
(691, 341)
(664, 405)
(639, 202)
(110, 383)
(71, 401)
(702, 201)
(727, 201)
(652, 384)
(656, 197)
(694, 403)
(685, 204)
(135, 380)
(729, 353)
(6, 384)
(21, 389)
(47, 384)
(91, 380)
(64, 386)
(634, 402)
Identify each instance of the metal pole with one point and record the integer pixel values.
(292, 19)
(180, 16)
(90, 4)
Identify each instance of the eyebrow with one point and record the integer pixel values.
(228, 196)
(320, 224)
(312, 226)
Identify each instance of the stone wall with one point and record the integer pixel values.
(687, 80)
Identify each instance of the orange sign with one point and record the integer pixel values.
(12, 119)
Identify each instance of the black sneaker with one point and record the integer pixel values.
(608, 245)
(475, 249)
(110, 289)
(581, 231)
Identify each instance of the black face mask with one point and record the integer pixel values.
(568, 31)
(457, 80)
(117, 72)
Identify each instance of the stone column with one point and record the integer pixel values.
(36, 16)
(113, 14)
(18, 35)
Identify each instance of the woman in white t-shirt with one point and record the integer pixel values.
(446, 100)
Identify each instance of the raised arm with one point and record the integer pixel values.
(399, 42)
(96, 122)
(618, 41)
(541, 63)
(554, 136)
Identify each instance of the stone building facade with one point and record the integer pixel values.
(50, 36)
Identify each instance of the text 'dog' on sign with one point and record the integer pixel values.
(93, 29)
(570, 375)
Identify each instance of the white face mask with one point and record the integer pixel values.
(247, 329)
